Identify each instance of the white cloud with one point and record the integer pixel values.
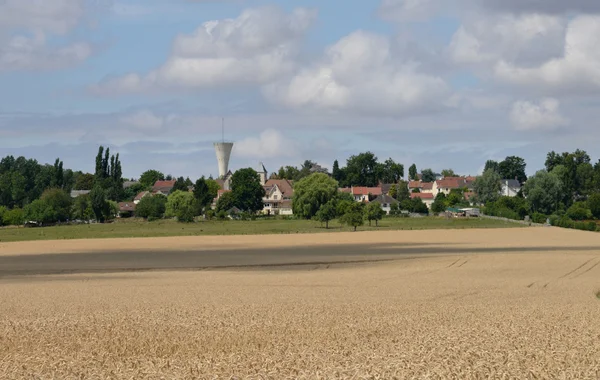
(577, 70)
(144, 120)
(527, 39)
(270, 144)
(544, 115)
(255, 48)
(537, 6)
(25, 27)
(360, 73)
(407, 10)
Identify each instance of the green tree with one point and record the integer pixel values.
(412, 173)
(82, 208)
(326, 213)
(543, 192)
(60, 202)
(392, 171)
(374, 212)
(579, 211)
(594, 205)
(363, 170)
(100, 205)
(427, 175)
(18, 189)
(440, 204)
(204, 193)
(311, 193)
(354, 216)
(152, 207)
(487, 187)
(247, 190)
(181, 205)
(14, 217)
(491, 165)
(448, 173)
(84, 181)
(225, 202)
(180, 185)
(513, 167)
(336, 172)
(149, 178)
(40, 211)
(3, 211)
(418, 206)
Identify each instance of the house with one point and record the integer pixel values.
(447, 185)
(361, 194)
(225, 182)
(427, 187)
(386, 202)
(469, 196)
(76, 193)
(278, 192)
(141, 195)
(163, 187)
(286, 208)
(128, 184)
(126, 209)
(427, 198)
(262, 173)
(414, 185)
(510, 187)
(386, 187)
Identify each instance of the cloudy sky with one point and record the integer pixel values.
(444, 84)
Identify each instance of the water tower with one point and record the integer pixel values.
(223, 150)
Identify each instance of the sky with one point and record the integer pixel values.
(443, 84)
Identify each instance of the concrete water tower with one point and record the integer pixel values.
(223, 151)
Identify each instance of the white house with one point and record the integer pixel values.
(277, 200)
(386, 202)
(510, 187)
(427, 198)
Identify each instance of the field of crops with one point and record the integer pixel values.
(501, 304)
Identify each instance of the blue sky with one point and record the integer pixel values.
(440, 86)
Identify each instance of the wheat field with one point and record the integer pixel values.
(517, 304)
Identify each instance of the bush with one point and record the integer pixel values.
(14, 217)
(539, 218)
(151, 208)
(579, 211)
(3, 211)
(594, 205)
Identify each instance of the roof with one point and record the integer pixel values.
(422, 195)
(511, 183)
(128, 184)
(366, 191)
(345, 190)
(76, 193)
(469, 195)
(451, 183)
(126, 206)
(141, 195)
(384, 198)
(163, 186)
(414, 184)
(427, 185)
(285, 186)
(386, 187)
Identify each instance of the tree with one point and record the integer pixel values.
(326, 213)
(427, 175)
(491, 165)
(59, 201)
(3, 211)
(440, 203)
(594, 205)
(553, 159)
(336, 172)
(354, 216)
(205, 191)
(418, 206)
(412, 173)
(247, 191)
(392, 171)
(40, 211)
(225, 202)
(363, 170)
(152, 207)
(14, 217)
(448, 173)
(82, 208)
(488, 186)
(311, 193)
(149, 177)
(180, 185)
(579, 211)
(84, 181)
(181, 205)
(513, 167)
(374, 212)
(543, 192)
(100, 206)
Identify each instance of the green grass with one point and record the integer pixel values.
(126, 228)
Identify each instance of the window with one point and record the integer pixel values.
(276, 197)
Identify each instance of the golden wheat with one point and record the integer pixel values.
(503, 315)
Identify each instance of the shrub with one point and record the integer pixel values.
(539, 218)
(594, 205)
(3, 211)
(14, 217)
(579, 211)
(151, 208)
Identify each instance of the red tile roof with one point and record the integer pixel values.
(451, 183)
(422, 195)
(141, 195)
(284, 185)
(427, 185)
(126, 206)
(414, 185)
(366, 191)
(468, 195)
(163, 186)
